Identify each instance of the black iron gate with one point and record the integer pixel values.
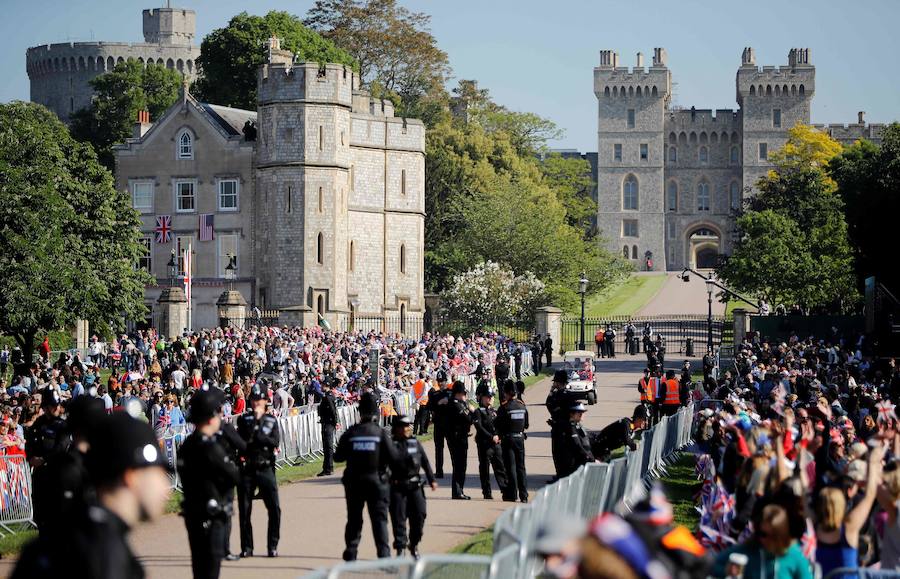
(679, 332)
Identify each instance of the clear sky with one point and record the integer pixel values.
(538, 56)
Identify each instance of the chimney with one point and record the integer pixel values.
(861, 115)
(615, 60)
(142, 125)
(640, 60)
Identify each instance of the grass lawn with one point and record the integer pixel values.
(11, 544)
(625, 298)
(482, 543)
(681, 485)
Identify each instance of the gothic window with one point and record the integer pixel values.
(630, 194)
(735, 195)
(630, 118)
(752, 90)
(625, 251)
(776, 118)
(703, 196)
(704, 155)
(735, 155)
(672, 197)
(634, 252)
(802, 90)
(185, 145)
(606, 91)
(673, 154)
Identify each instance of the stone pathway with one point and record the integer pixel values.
(678, 297)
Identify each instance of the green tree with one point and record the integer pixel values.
(119, 95)
(231, 56)
(69, 241)
(398, 56)
(571, 179)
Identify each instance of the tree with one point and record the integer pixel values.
(571, 179)
(231, 56)
(868, 180)
(806, 148)
(69, 241)
(490, 293)
(398, 56)
(119, 95)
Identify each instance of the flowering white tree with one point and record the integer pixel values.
(491, 293)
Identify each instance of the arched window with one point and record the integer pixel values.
(735, 155)
(752, 90)
(672, 197)
(625, 252)
(802, 90)
(703, 196)
(704, 155)
(321, 200)
(673, 154)
(402, 258)
(630, 194)
(320, 248)
(606, 91)
(320, 304)
(735, 195)
(634, 252)
(673, 138)
(185, 145)
(351, 258)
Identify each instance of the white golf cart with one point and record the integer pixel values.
(579, 364)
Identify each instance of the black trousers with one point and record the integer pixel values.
(407, 505)
(459, 448)
(490, 456)
(536, 362)
(549, 354)
(206, 539)
(226, 539)
(264, 480)
(328, 447)
(423, 420)
(374, 495)
(558, 450)
(513, 448)
(439, 438)
(610, 348)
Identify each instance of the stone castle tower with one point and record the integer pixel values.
(60, 73)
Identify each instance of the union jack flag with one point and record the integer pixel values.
(885, 411)
(163, 228)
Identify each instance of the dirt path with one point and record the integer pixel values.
(682, 298)
(313, 511)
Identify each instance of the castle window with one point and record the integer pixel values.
(634, 252)
(630, 194)
(763, 151)
(735, 195)
(670, 229)
(321, 138)
(768, 90)
(673, 154)
(402, 258)
(145, 260)
(320, 248)
(185, 201)
(645, 152)
(672, 197)
(735, 155)
(289, 200)
(704, 155)
(629, 228)
(289, 134)
(352, 181)
(617, 152)
(606, 92)
(142, 196)
(403, 181)
(228, 194)
(625, 251)
(185, 146)
(321, 200)
(776, 118)
(802, 90)
(703, 197)
(351, 258)
(752, 90)
(630, 118)
(228, 246)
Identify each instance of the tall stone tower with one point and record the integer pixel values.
(772, 100)
(170, 26)
(632, 105)
(303, 172)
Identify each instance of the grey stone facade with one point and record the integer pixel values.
(668, 179)
(60, 73)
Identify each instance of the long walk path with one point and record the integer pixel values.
(313, 510)
(684, 298)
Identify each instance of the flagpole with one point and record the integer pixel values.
(190, 308)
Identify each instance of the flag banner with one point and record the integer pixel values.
(163, 228)
(187, 274)
(206, 227)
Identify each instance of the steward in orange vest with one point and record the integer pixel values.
(672, 400)
(647, 387)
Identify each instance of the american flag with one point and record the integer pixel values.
(163, 229)
(206, 227)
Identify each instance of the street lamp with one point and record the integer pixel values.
(229, 271)
(709, 332)
(173, 269)
(582, 289)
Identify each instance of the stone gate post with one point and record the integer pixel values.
(548, 320)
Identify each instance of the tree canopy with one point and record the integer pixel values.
(70, 240)
(231, 56)
(120, 94)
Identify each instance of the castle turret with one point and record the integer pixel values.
(170, 26)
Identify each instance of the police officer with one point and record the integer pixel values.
(368, 452)
(260, 431)
(558, 403)
(46, 438)
(207, 476)
(328, 418)
(459, 423)
(577, 442)
(234, 445)
(407, 493)
(438, 401)
(618, 434)
(487, 440)
(511, 423)
(129, 474)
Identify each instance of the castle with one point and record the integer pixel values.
(60, 73)
(316, 200)
(669, 180)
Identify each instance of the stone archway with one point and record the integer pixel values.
(704, 246)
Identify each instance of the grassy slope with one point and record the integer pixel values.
(625, 298)
(681, 485)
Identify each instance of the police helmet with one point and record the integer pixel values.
(204, 405)
(50, 398)
(118, 443)
(258, 392)
(459, 387)
(401, 421)
(579, 407)
(368, 405)
(83, 413)
(561, 377)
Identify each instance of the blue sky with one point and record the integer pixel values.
(539, 56)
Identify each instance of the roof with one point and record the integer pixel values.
(231, 120)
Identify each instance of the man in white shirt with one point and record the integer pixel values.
(178, 375)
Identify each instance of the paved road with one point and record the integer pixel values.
(682, 298)
(313, 511)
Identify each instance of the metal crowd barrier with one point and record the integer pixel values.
(16, 506)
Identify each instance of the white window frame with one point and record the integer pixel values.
(193, 184)
(633, 191)
(637, 233)
(181, 153)
(133, 186)
(237, 193)
(222, 256)
(147, 242)
(644, 151)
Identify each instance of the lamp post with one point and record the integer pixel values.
(709, 322)
(229, 271)
(582, 289)
(173, 269)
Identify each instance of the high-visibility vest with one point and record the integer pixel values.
(648, 389)
(673, 395)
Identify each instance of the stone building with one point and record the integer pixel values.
(322, 200)
(60, 73)
(668, 179)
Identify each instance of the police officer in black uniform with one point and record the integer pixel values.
(438, 402)
(487, 440)
(368, 452)
(129, 474)
(578, 442)
(511, 424)
(207, 476)
(618, 434)
(328, 418)
(48, 437)
(407, 492)
(234, 445)
(459, 423)
(260, 431)
(558, 403)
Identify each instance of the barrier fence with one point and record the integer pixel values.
(592, 489)
(15, 493)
